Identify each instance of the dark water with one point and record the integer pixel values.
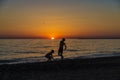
(33, 50)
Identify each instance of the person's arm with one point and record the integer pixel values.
(65, 46)
(52, 56)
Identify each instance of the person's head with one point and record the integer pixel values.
(52, 51)
(63, 39)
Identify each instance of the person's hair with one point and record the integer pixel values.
(52, 51)
(63, 39)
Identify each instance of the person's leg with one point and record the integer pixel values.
(62, 57)
(62, 54)
(49, 58)
(59, 52)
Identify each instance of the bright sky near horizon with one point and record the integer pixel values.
(60, 18)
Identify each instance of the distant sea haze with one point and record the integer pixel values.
(14, 51)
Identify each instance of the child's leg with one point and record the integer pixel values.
(49, 58)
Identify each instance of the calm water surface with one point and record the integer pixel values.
(33, 50)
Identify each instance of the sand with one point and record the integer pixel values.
(106, 68)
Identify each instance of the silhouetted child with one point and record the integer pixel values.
(49, 55)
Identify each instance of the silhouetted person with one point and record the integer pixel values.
(49, 55)
(61, 46)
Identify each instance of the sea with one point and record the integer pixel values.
(15, 51)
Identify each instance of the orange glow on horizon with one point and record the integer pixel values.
(52, 38)
(76, 19)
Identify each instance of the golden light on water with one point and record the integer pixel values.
(52, 38)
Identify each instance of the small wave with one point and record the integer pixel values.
(46, 46)
(73, 50)
(42, 47)
(116, 53)
(99, 54)
(2, 44)
(6, 61)
(22, 60)
(105, 54)
(117, 48)
(36, 47)
(4, 52)
(27, 52)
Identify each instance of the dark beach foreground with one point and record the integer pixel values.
(106, 68)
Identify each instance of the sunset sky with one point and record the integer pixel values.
(60, 18)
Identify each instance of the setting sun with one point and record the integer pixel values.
(45, 19)
(52, 38)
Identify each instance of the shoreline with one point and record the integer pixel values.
(66, 63)
(106, 68)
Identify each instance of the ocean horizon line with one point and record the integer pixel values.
(60, 38)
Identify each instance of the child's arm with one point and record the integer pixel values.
(52, 56)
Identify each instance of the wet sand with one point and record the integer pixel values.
(107, 68)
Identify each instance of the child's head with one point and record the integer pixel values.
(52, 51)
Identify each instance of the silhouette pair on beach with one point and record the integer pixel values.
(62, 44)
